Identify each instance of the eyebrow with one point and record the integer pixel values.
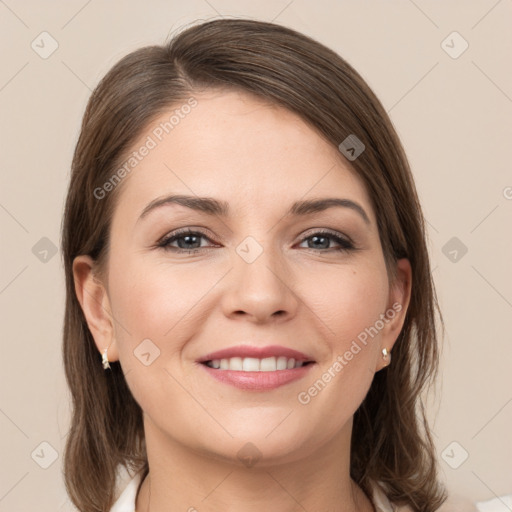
(212, 206)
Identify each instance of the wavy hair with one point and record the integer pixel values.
(391, 441)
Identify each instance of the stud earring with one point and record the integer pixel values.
(105, 359)
(386, 356)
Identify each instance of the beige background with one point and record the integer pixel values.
(453, 115)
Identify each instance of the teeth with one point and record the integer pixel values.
(268, 364)
(252, 364)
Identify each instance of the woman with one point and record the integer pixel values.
(244, 251)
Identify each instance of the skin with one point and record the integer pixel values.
(259, 159)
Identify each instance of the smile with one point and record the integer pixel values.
(252, 374)
(252, 364)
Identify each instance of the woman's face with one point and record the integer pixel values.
(268, 271)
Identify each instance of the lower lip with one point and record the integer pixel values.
(258, 380)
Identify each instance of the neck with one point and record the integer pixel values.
(185, 479)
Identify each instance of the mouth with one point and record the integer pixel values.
(253, 364)
(257, 368)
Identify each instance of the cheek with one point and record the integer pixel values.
(348, 300)
(151, 299)
(153, 305)
(350, 304)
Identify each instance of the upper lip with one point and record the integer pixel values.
(256, 352)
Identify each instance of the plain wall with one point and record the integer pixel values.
(452, 114)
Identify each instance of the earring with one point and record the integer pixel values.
(386, 356)
(105, 359)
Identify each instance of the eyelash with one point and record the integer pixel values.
(164, 243)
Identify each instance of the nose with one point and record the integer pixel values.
(260, 291)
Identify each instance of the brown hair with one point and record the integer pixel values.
(391, 442)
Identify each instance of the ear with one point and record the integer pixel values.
(93, 298)
(398, 303)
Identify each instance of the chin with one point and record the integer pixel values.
(261, 447)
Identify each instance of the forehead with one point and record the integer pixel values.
(236, 147)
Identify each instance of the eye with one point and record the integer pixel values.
(187, 240)
(321, 239)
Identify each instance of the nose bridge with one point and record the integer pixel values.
(260, 281)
